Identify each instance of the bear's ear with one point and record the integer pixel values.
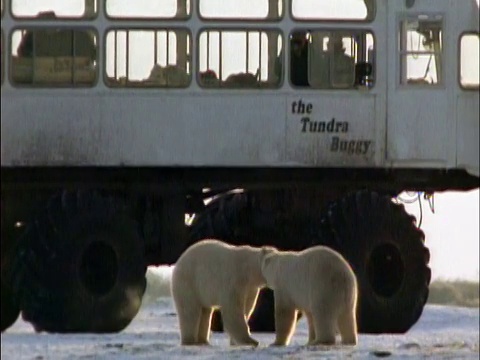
(267, 255)
(267, 250)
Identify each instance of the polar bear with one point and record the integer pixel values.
(318, 282)
(212, 274)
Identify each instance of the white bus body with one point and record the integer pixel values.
(388, 125)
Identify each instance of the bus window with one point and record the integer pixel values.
(256, 61)
(148, 58)
(421, 51)
(241, 9)
(338, 10)
(53, 57)
(148, 9)
(469, 61)
(54, 9)
(331, 59)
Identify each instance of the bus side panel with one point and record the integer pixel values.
(152, 129)
(468, 130)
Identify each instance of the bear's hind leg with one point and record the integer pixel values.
(311, 327)
(347, 326)
(204, 326)
(189, 321)
(325, 325)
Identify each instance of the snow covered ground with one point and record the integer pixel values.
(442, 333)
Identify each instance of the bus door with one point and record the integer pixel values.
(418, 110)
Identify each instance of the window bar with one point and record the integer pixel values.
(220, 53)
(248, 51)
(115, 54)
(34, 53)
(259, 56)
(167, 60)
(73, 58)
(403, 53)
(189, 56)
(331, 61)
(155, 51)
(208, 50)
(127, 56)
(361, 47)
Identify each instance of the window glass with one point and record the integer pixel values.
(153, 9)
(421, 51)
(241, 9)
(332, 59)
(148, 58)
(240, 59)
(51, 9)
(54, 57)
(469, 61)
(360, 10)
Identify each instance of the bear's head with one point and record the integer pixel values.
(268, 254)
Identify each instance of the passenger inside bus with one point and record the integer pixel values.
(299, 59)
(333, 68)
(343, 66)
(330, 68)
(54, 43)
(55, 56)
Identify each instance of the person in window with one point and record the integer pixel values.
(343, 66)
(299, 59)
(55, 43)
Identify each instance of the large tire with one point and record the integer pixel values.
(80, 266)
(237, 219)
(10, 310)
(387, 253)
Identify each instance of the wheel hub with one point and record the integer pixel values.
(99, 268)
(385, 270)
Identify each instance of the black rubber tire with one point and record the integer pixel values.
(81, 266)
(10, 310)
(235, 219)
(386, 251)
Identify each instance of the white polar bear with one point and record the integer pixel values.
(212, 274)
(319, 282)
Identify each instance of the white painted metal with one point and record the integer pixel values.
(388, 125)
(422, 121)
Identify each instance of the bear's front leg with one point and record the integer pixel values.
(285, 318)
(250, 301)
(235, 323)
(284, 325)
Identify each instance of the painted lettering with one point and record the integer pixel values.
(299, 107)
(350, 147)
(332, 126)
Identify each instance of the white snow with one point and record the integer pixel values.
(442, 333)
